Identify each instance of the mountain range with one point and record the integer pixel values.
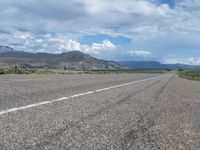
(155, 65)
(69, 60)
(75, 60)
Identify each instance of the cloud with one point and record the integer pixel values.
(70, 45)
(68, 16)
(53, 43)
(71, 16)
(140, 7)
(187, 61)
(139, 53)
(106, 44)
(94, 48)
(35, 25)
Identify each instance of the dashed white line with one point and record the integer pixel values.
(73, 96)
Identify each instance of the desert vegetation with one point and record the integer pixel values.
(189, 74)
(21, 70)
(24, 70)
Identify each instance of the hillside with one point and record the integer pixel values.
(69, 60)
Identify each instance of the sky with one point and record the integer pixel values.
(163, 30)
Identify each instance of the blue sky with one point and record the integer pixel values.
(171, 3)
(162, 30)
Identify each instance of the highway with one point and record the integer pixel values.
(110, 111)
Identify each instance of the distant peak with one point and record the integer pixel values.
(75, 52)
(6, 49)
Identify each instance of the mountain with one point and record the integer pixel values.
(69, 60)
(4, 49)
(75, 60)
(154, 65)
(141, 64)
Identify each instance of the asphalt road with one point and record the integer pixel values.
(116, 111)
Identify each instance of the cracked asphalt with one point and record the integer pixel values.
(157, 114)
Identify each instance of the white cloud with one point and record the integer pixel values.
(139, 53)
(53, 43)
(142, 7)
(94, 48)
(106, 44)
(188, 61)
(71, 45)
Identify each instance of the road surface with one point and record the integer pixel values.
(115, 111)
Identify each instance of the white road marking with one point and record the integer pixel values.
(73, 96)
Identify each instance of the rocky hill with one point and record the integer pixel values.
(69, 60)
